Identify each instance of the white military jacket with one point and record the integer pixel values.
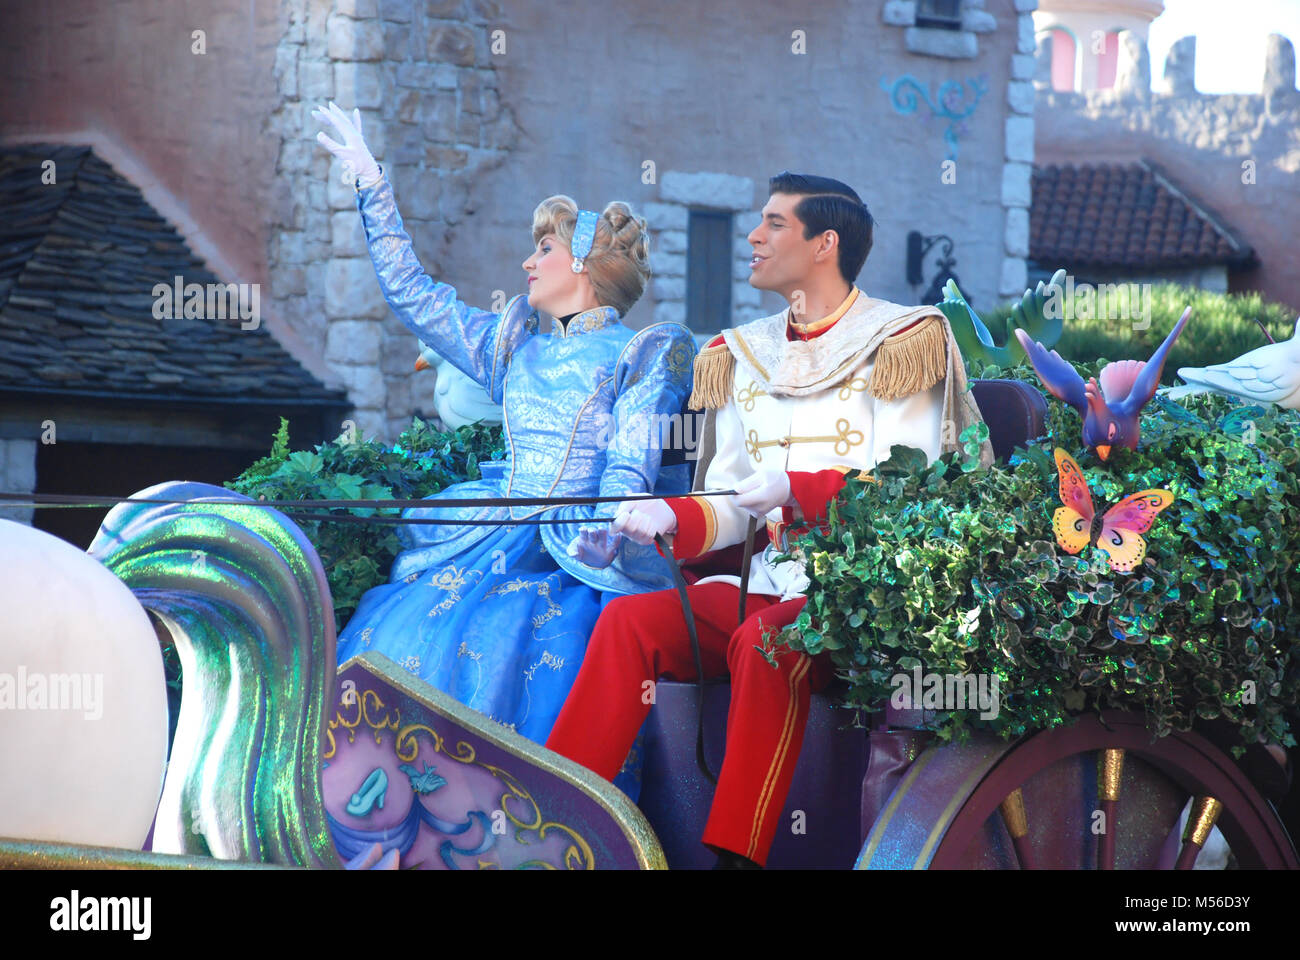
(880, 374)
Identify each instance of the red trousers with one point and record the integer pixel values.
(639, 639)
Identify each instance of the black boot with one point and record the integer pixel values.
(734, 861)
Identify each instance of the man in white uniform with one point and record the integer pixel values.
(795, 402)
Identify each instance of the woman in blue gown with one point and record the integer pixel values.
(499, 615)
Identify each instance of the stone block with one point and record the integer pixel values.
(451, 44)
(438, 117)
(443, 9)
(670, 241)
(949, 44)
(668, 288)
(408, 106)
(348, 39)
(1025, 40)
(1020, 139)
(978, 21)
(663, 264)
(285, 70)
(1180, 69)
(899, 13)
(352, 342)
(1014, 278)
(351, 289)
(672, 311)
(1017, 180)
(371, 421)
(20, 466)
(1133, 71)
(719, 190)
(1022, 66)
(1020, 97)
(666, 217)
(423, 194)
(358, 84)
(357, 9)
(399, 11)
(420, 76)
(316, 81)
(1279, 67)
(289, 281)
(347, 235)
(1017, 232)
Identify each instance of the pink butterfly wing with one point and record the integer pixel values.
(1073, 487)
(1122, 527)
(1137, 511)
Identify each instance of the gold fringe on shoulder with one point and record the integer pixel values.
(911, 361)
(715, 371)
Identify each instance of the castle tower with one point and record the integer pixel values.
(1085, 41)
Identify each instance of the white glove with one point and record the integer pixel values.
(353, 151)
(595, 546)
(762, 492)
(642, 520)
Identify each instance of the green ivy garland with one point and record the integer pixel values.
(956, 570)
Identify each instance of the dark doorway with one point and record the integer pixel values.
(120, 470)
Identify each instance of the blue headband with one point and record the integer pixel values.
(584, 234)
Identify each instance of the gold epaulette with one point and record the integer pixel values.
(715, 370)
(911, 361)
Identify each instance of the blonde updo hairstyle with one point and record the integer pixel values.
(619, 262)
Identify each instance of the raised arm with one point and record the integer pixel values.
(476, 341)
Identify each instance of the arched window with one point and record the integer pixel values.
(1065, 54)
(1107, 61)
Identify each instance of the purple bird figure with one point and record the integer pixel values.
(1110, 409)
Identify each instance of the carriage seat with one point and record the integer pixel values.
(828, 779)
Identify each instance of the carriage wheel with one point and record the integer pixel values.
(1099, 794)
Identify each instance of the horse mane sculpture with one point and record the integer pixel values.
(242, 595)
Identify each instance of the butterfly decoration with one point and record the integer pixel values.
(1118, 531)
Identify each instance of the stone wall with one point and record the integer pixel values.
(478, 110)
(17, 475)
(658, 107)
(1237, 154)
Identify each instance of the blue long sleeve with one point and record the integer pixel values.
(478, 342)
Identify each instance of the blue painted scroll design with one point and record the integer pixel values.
(952, 102)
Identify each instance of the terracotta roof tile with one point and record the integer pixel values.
(1123, 215)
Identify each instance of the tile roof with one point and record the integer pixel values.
(1124, 215)
(79, 259)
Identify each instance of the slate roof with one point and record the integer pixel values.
(1124, 215)
(78, 263)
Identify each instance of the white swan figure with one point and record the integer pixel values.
(1270, 373)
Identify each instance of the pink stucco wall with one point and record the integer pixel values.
(190, 130)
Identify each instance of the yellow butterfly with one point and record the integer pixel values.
(1118, 531)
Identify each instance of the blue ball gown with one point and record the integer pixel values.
(499, 616)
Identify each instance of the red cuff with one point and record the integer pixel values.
(814, 492)
(696, 526)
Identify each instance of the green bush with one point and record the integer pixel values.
(957, 570)
(1222, 326)
(358, 556)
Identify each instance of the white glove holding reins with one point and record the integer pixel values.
(762, 492)
(642, 520)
